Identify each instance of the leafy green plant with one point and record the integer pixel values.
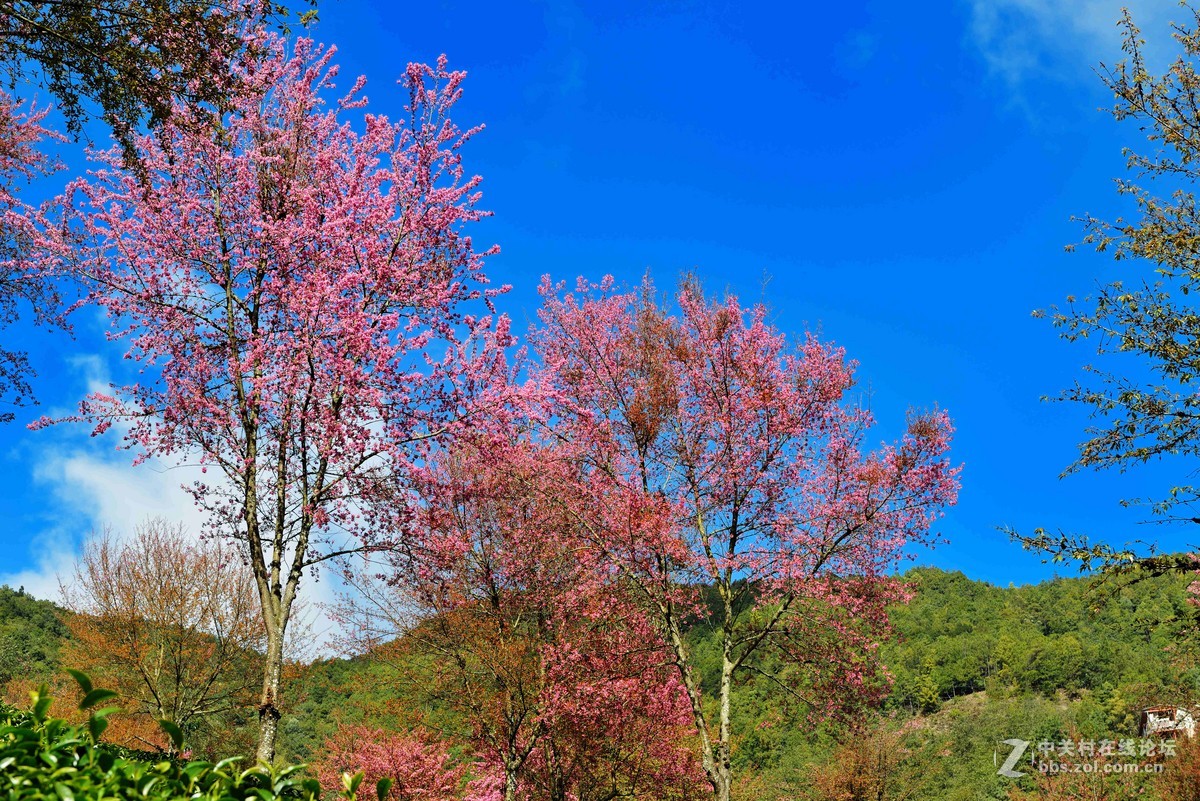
(43, 757)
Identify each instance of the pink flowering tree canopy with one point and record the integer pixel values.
(293, 287)
(715, 454)
(24, 287)
(414, 766)
(567, 689)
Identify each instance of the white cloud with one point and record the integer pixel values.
(87, 491)
(90, 486)
(113, 493)
(1038, 40)
(53, 554)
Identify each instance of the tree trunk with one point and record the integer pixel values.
(268, 708)
(721, 773)
(510, 783)
(716, 769)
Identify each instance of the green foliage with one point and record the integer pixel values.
(42, 757)
(1142, 321)
(959, 636)
(1147, 310)
(367, 691)
(129, 59)
(31, 632)
(976, 664)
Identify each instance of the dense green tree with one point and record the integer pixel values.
(959, 636)
(126, 59)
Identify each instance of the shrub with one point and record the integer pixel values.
(42, 757)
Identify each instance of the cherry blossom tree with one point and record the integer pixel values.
(23, 288)
(526, 634)
(128, 62)
(712, 453)
(292, 287)
(418, 765)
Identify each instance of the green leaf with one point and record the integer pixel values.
(227, 762)
(350, 783)
(382, 788)
(41, 703)
(174, 732)
(18, 732)
(64, 792)
(95, 697)
(96, 726)
(81, 678)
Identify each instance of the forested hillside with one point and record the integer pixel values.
(1064, 636)
(31, 632)
(973, 665)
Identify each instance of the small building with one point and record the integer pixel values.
(1166, 721)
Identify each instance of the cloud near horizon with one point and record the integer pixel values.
(95, 488)
(98, 492)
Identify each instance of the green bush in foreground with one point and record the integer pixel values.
(43, 757)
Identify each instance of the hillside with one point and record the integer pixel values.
(31, 632)
(973, 665)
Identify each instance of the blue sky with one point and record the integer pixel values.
(899, 177)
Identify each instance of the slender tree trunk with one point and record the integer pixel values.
(268, 708)
(709, 751)
(721, 761)
(722, 766)
(510, 782)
